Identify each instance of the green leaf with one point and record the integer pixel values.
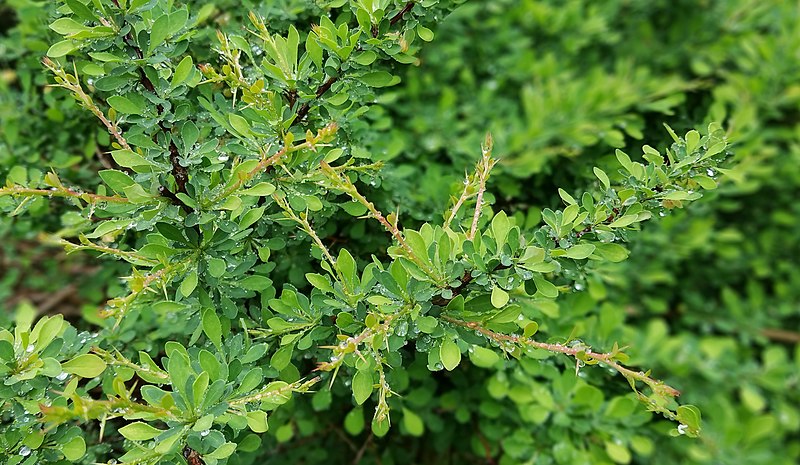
(223, 451)
(81, 11)
(125, 105)
(129, 159)
(212, 327)
(319, 281)
(216, 267)
(346, 265)
(139, 431)
(692, 141)
(450, 354)
(500, 227)
(159, 32)
(85, 366)
(623, 221)
(282, 357)
(182, 72)
(257, 421)
(354, 422)
(66, 26)
(74, 449)
(240, 125)
(618, 453)
(379, 79)
(705, 182)
(362, 386)
(189, 283)
(259, 190)
(580, 251)
(612, 252)
(59, 49)
(413, 423)
(255, 283)
(602, 176)
(690, 416)
(483, 357)
(424, 33)
(116, 180)
(545, 287)
(499, 297)
(570, 200)
(530, 329)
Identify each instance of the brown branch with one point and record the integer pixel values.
(179, 172)
(781, 335)
(399, 16)
(363, 449)
(306, 107)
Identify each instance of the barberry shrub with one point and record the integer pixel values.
(273, 308)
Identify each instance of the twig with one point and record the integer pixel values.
(399, 16)
(363, 449)
(321, 90)
(606, 359)
(482, 173)
(781, 335)
(344, 183)
(61, 192)
(74, 86)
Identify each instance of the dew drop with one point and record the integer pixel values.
(222, 158)
(62, 376)
(402, 329)
(30, 348)
(205, 433)
(438, 366)
(25, 451)
(682, 428)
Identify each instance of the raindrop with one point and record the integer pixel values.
(222, 158)
(438, 366)
(205, 433)
(334, 359)
(662, 214)
(25, 451)
(710, 172)
(402, 329)
(682, 428)
(62, 376)
(30, 348)
(578, 286)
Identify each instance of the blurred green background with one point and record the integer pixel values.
(710, 299)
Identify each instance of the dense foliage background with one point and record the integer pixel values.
(709, 300)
